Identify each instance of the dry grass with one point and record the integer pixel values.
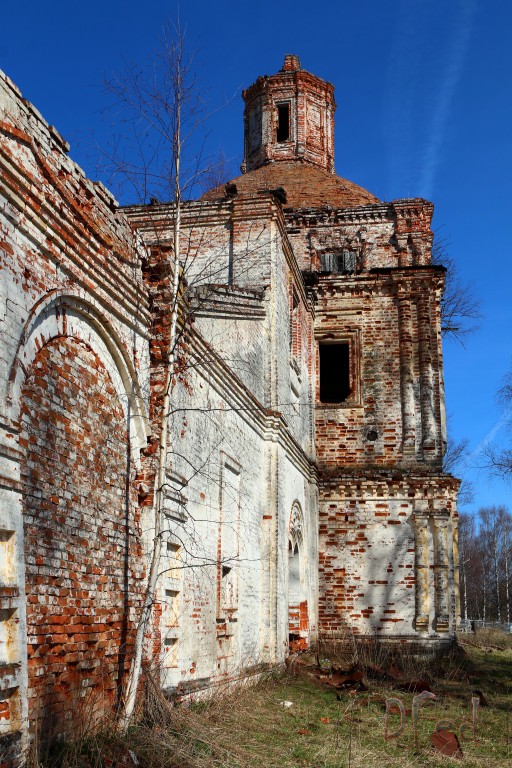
(408, 661)
(494, 639)
(249, 728)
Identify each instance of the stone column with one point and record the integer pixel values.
(441, 571)
(421, 572)
(455, 575)
(406, 370)
(428, 422)
(271, 584)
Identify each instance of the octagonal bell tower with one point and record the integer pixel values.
(289, 117)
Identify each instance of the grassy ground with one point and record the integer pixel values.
(323, 728)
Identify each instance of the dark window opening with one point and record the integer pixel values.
(334, 372)
(346, 261)
(283, 122)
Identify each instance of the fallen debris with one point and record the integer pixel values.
(446, 743)
(414, 686)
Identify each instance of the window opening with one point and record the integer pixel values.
(334, 372)
(339, 263)
(172, 607)
(174, 566)
(298, 621)
(171, 652)
(283, 122)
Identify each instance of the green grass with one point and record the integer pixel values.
(250, 728)
(321, 730)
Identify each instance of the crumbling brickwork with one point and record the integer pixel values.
(289, 116)
(386, 507)
(386, 566)
(243, 416)
(82, 552)
(304, 489)
(73, 366)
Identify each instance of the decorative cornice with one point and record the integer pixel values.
(361, 214)
(387, 483)
(227, 301)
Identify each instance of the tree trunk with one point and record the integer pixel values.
(169, 363)
(507, 578)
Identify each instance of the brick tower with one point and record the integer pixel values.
(289, 116)
(388, 523)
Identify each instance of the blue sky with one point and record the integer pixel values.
(423, 89)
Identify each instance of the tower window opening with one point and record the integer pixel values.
(334, 372)
(339, 263)
(283, 122)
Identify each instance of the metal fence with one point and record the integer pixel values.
(470, 625)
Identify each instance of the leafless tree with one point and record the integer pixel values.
(491, 519)
(506, 555)
(460, 307)
(161, 112)
(484, 552)
(454, 461)
(460, 316)
(499, 460)
(161, 109)
(466, 536)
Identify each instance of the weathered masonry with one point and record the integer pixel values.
(304, 494)
(387, 512)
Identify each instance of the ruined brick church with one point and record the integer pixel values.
(305, 495)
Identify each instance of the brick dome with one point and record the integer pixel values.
(289, 142)
(306, 186)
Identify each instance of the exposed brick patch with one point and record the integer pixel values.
(305, 186)
(78, 535)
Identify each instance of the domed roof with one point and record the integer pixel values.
(306, 186)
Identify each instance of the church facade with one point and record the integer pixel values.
(304, 495)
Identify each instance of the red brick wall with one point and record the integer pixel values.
(80, 544)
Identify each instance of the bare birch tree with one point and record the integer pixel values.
(485, 564)
(490, 533)
(507, 542)
(460, 307)
(162, 110)
(466, 536)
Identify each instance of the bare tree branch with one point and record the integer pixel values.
(460, 307)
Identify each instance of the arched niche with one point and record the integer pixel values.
(72, 315)
(72, 511)
(298, 620)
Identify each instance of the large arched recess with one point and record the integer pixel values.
(75, 395)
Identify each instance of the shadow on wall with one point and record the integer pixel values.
(368, 574)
